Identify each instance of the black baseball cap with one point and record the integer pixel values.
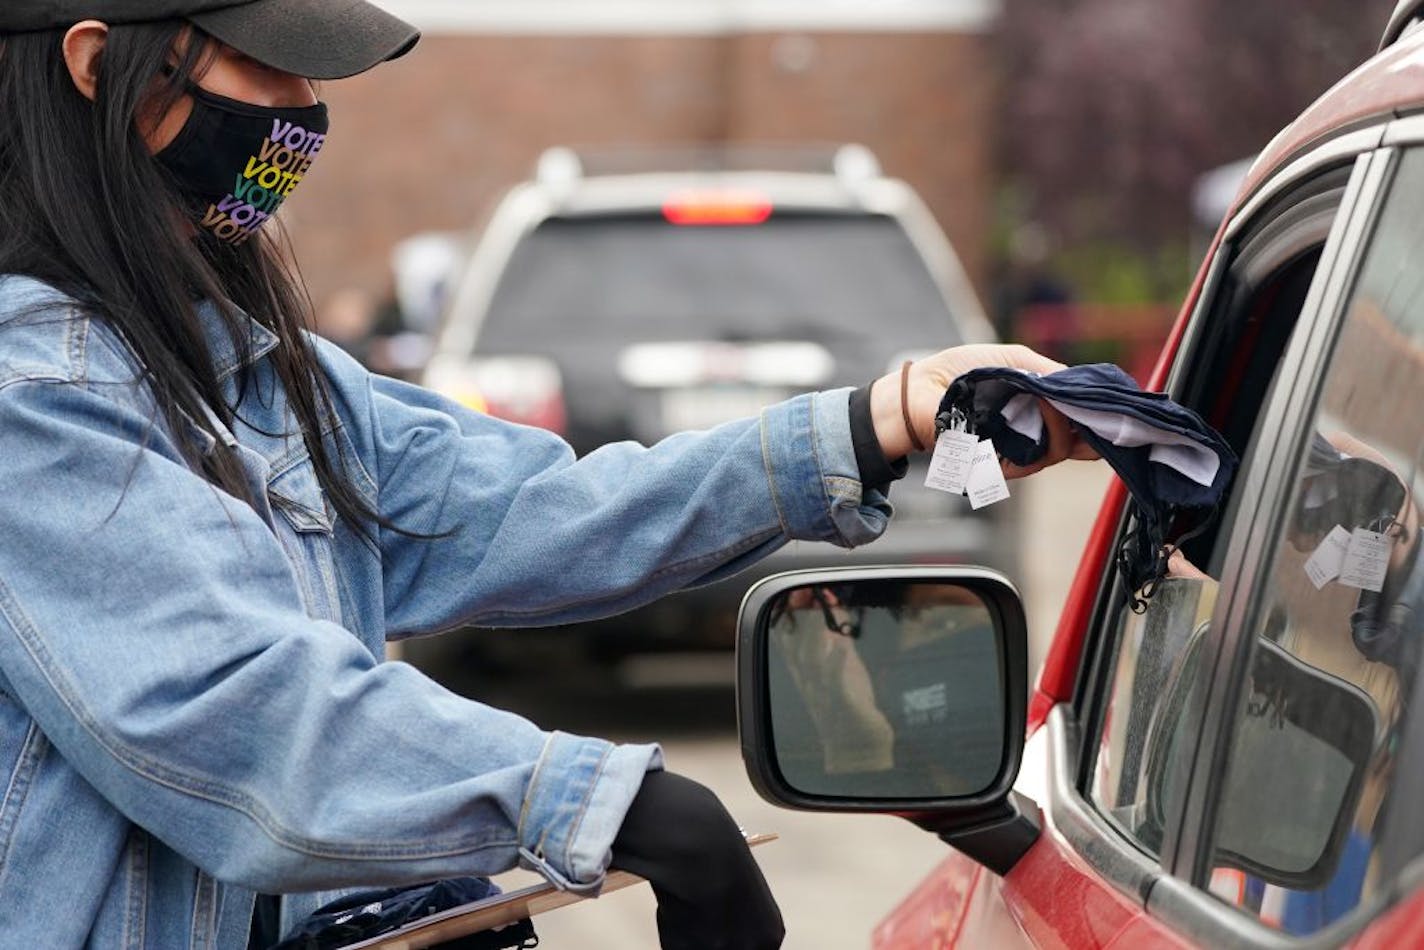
(318, 39)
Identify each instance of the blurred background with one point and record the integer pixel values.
(625, 218)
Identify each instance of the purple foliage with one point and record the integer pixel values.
(1113, 107)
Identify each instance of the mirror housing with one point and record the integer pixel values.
(868, 721)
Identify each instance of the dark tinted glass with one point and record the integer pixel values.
(826, 279)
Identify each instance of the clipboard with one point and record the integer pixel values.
(498, 911)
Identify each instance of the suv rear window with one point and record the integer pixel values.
(833, 279)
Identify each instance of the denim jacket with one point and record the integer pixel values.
(193, 701)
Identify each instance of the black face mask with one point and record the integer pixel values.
(238, 162)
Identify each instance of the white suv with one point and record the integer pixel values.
(632, 304)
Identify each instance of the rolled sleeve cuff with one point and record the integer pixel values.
(576, 802)
(814, 477)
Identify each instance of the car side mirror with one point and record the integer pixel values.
(891, 689)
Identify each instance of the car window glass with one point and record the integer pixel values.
(651, 328)
(825, 278)
(1143, 743)
(1304, 828)
(1135, 781)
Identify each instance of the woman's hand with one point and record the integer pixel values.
(931, 376)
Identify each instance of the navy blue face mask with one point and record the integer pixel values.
(1176, 475)
(236, 162)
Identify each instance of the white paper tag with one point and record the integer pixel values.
(986, 478)
(953, 457)
(1324, 565)
(1366, 560)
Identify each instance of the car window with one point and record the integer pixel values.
(841, 280)
(1304, 828)
(1144, 731)
(651, 327)
(1136, 782)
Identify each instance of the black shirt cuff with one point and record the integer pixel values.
(876, 471)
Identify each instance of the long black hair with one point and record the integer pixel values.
(85, 208)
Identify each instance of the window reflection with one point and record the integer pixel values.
(1328, 740)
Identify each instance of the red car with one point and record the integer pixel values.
(1241, 764)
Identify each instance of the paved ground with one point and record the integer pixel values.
(834, 875)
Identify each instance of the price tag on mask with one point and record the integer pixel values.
(986, 478)
(953, 457)
(1329, 556)
(1366, 560)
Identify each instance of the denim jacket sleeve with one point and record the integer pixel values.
(536, 537)
(153, 629)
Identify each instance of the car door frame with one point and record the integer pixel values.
(1177, 898)
(1174, 907)
(1250, 559)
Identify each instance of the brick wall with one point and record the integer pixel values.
(432, 141)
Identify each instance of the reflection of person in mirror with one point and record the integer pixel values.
(885, 683)
(214, 521)
(940, 679)
(817, 637)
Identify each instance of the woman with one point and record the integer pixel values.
(213, 522)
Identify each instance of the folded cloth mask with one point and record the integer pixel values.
(1176, 467)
